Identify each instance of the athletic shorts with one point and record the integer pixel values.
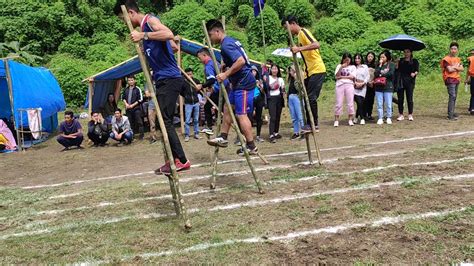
(242, 100)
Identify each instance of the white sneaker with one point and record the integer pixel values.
(351, 123)
(400, 118)
(389, 121)
(410, 117)
(218, 142)
(336, 123)
(362, 121)
(380, 122)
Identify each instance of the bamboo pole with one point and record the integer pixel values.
(263, 33)
(173, 178)
(229, 109)
(91, 87)
(181, 98)
(193, 84)
(10, 92)
(305, 94)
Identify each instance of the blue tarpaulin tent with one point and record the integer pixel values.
(105, 81)
(32, 87)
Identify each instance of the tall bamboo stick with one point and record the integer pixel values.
(174, 178)
(305, 94)
(229, 109)
(181, 98)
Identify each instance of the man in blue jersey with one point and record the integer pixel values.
(158, 46)
(239, 73)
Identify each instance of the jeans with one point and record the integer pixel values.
(452, 92)
(191, 109)
(67, 142)
(128, 136)
(294, 104)
(313, 84)
(275, 105)
(384, 97)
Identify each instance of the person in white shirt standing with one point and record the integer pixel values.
(360, 85)
(275, 102)
(345, 77)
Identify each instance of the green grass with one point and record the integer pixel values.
(361, 209)
(423, 226)
(291, 174)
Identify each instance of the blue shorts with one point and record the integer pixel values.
(242, 100)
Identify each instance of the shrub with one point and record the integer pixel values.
(274, 33)
(437, 46)
(75, 45)
(325, 6)
(418, 22)
(303, 10)
(241, 36)
(192, 14)
(219, 8)
(385, 9)
(279, 6)
(244, 15)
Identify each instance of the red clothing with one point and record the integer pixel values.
(450, 61)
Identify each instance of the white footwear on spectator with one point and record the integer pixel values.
(336, 123)
(410, 117)
(389, 121)
(380, 121)
(351, 123)
(400, 118)
(362, 121)
(355, 120)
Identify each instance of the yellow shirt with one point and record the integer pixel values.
(312, 58)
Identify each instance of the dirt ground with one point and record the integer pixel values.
(106, 205)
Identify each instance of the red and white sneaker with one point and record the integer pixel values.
(182, 166)
(166, 168)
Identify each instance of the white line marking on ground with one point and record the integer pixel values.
(388, 220)
(252, 203)
(74, 182)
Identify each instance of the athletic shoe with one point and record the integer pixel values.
(277, 136)
(452, 118)
(237, 142)
(253, 151)
(272, 138)
(307, 130)
(410, 117)
(218, 142)
(336, 123)
(401, 118)
(295, 136)
(351, 123)
(207, 131)
(259, 139)
(355, 120)
(166, 168)
(380, 122)
(186, 138)
(152, 141)
(370, 118)
(182, 166)
(389, 121)
(456, 115)
(196, 136)
(362, 122)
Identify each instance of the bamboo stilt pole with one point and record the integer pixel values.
(174, 178)
(191, 81)
(305, 94)
(229, 109)
(263, 33)
(91, 94)
(10, 91)
(181, 98)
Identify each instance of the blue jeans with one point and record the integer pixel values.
(384, 97)
(295, 111)
(128, 136)
(191, 109)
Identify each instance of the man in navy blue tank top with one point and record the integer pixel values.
(159, 46)
(242, 81)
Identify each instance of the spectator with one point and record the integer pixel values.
(7, 141)
(345, 76)
(121, 130)
(151, 117)
(315, 70)
(275, 102)
(70, 132)
(132, 98)
(383, 83)
(408, 68)
(109, 108)
(97, 130)
(362, 77)
(294, 104)
(258, 103)
(469, 80)
(191, 106)
(370, 94)
(452, 67)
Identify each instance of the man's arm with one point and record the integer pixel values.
(140, 99)
(312, 46)
(238, 64)
(160, 32)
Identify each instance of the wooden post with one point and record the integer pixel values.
(305, 94)
(229, 107)
(181, 98)
(91, 94)
(174, 178)
(10, 92)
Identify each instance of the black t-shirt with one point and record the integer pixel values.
(292, 87)
(405, 68)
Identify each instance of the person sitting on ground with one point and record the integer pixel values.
(70, 132)
(97, 130)
(121, 130)
(191, 106)
(7, 141)
(109, 108)
(132, 98)
(452, 67)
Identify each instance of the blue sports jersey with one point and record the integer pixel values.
(231, 50)
(210, 73)
(160, 55)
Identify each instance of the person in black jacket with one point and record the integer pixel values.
(132, 98)
(408, 68)
(97, 130)
(191, 106)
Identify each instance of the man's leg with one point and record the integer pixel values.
(128, 136)
(314, 86)
(188, 109)
(152, 121)
(196, 119)
(452, 100)
(94, 138)
(471, 105)
(137, 113)
(65, 142)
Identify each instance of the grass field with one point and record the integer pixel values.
(384, 194)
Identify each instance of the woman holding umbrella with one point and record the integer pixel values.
(408, 68)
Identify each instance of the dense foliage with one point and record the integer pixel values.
(79, 38)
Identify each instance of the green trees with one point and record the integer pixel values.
(303, 10)
(13, 49)
(274, 33)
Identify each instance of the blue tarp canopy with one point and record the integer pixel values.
(32, 87)
(105, 81)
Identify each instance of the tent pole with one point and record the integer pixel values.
(91, 87)
(181, 99)
(10, 92)
(174, 177)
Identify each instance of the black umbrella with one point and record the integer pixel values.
(402, 42)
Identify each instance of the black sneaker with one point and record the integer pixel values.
(152, 141)
(306, 130)
(253, 151)
(277, 136)
(295, 136)
(272, 139)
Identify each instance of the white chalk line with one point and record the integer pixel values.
(252, 203)
(375, 223)
(74, 182)
(302, 179)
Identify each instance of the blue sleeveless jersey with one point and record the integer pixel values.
(231, 50)
(160, 55)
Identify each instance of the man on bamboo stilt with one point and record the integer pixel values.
(159, 47)
(239, 73)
